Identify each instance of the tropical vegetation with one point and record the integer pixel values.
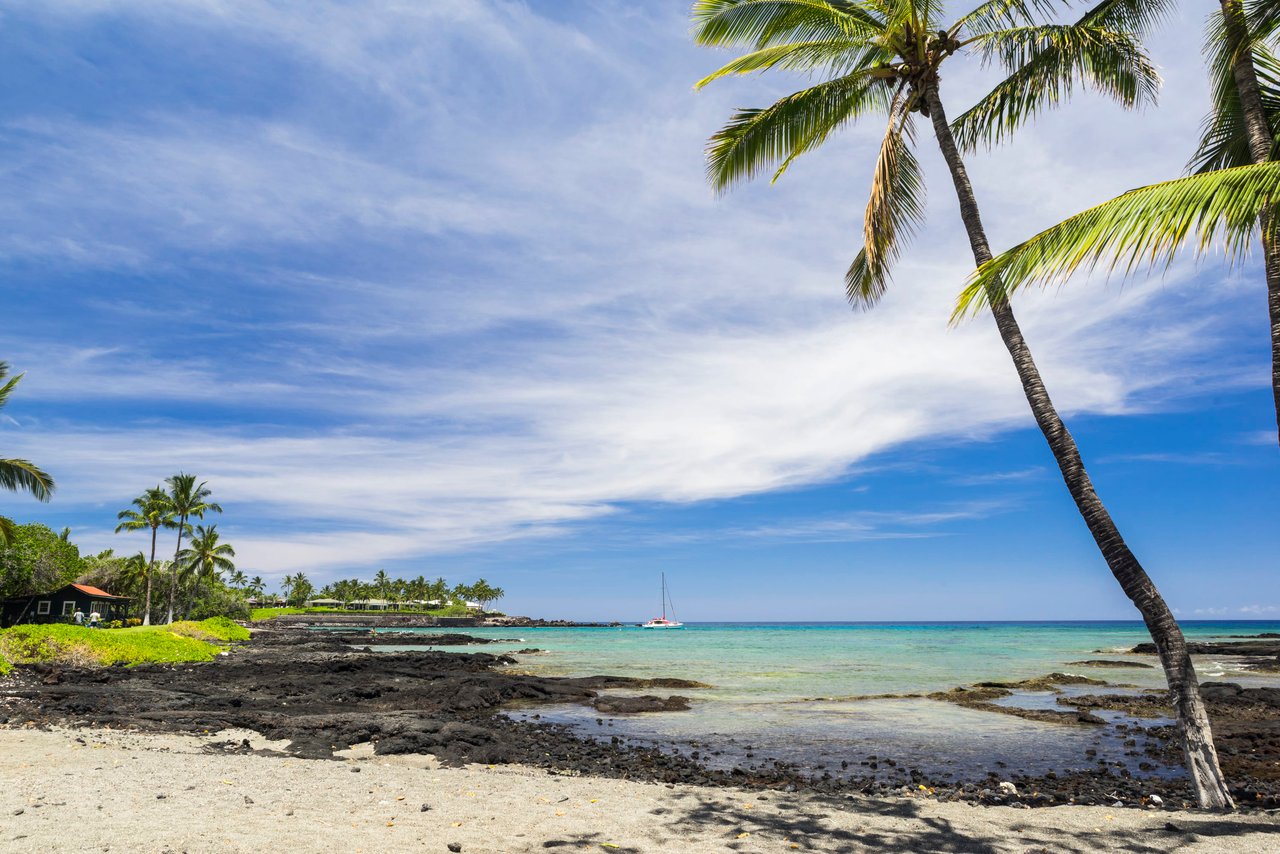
(187, 500)
(885, 57)
(201, 581)
(154, 511)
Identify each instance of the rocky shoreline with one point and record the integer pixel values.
(1260, 653)
(323, 695)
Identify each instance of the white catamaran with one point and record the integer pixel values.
(662, 622)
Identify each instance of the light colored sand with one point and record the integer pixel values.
(95, 790)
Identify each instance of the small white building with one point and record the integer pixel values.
(368, 605)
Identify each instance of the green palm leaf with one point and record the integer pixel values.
(755, 139)
(1146, 226)
(836, 56)
(1223, 140)
(761, 23)
(21, 474)
(1046, 64)
(997, 14)
(1263, 17)
(26, 476)
(1137, 17)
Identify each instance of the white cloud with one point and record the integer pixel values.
(536, 311)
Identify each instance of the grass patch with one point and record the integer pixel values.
(213, 630)
(259, 614)
(80, 646)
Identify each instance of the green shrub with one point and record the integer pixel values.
(219, 601)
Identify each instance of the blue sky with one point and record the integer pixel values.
(439, 287)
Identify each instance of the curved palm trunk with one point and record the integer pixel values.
(173, 576)
(1260, 143)
(146, 608)
(1193, 722)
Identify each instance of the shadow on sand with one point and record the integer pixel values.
(857, 825)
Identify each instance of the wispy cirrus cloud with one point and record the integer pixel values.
(450, 293)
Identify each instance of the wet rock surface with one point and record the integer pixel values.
(635, 705)
(1260, 653)
(1101, 662)
(322, 696)
(537, 623)
(394, 638)
(1253, 646)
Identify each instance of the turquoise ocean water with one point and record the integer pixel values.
(791, 691)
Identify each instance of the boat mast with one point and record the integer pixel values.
(664, 596)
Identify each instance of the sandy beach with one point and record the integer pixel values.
(107, 790)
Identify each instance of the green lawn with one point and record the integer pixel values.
(80, 646)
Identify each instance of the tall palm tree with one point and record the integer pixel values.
(1236, 56)
(257, 586)
(207, 559)
(154, 511)
(188, 500)
(19, 475)
(885, 55)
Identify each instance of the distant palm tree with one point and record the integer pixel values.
(189, 500)
(19, 475)
(207, 559)
(382, 583)
(286, 587)
(298, 589)
(257, 587)
(886, 56)
(155, 511)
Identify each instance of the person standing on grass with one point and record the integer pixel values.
(94, 619)
(78, 617)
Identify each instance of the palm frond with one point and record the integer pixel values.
(7, 530)
(756, 139)
(836, 56)
(8, 387)
(1146, 226)
(1224, 141)
(1046, 64)
(998, 14)
(1134, 17)
(761, 23)
(894, 211)
(1263, 18)
(26, 476)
